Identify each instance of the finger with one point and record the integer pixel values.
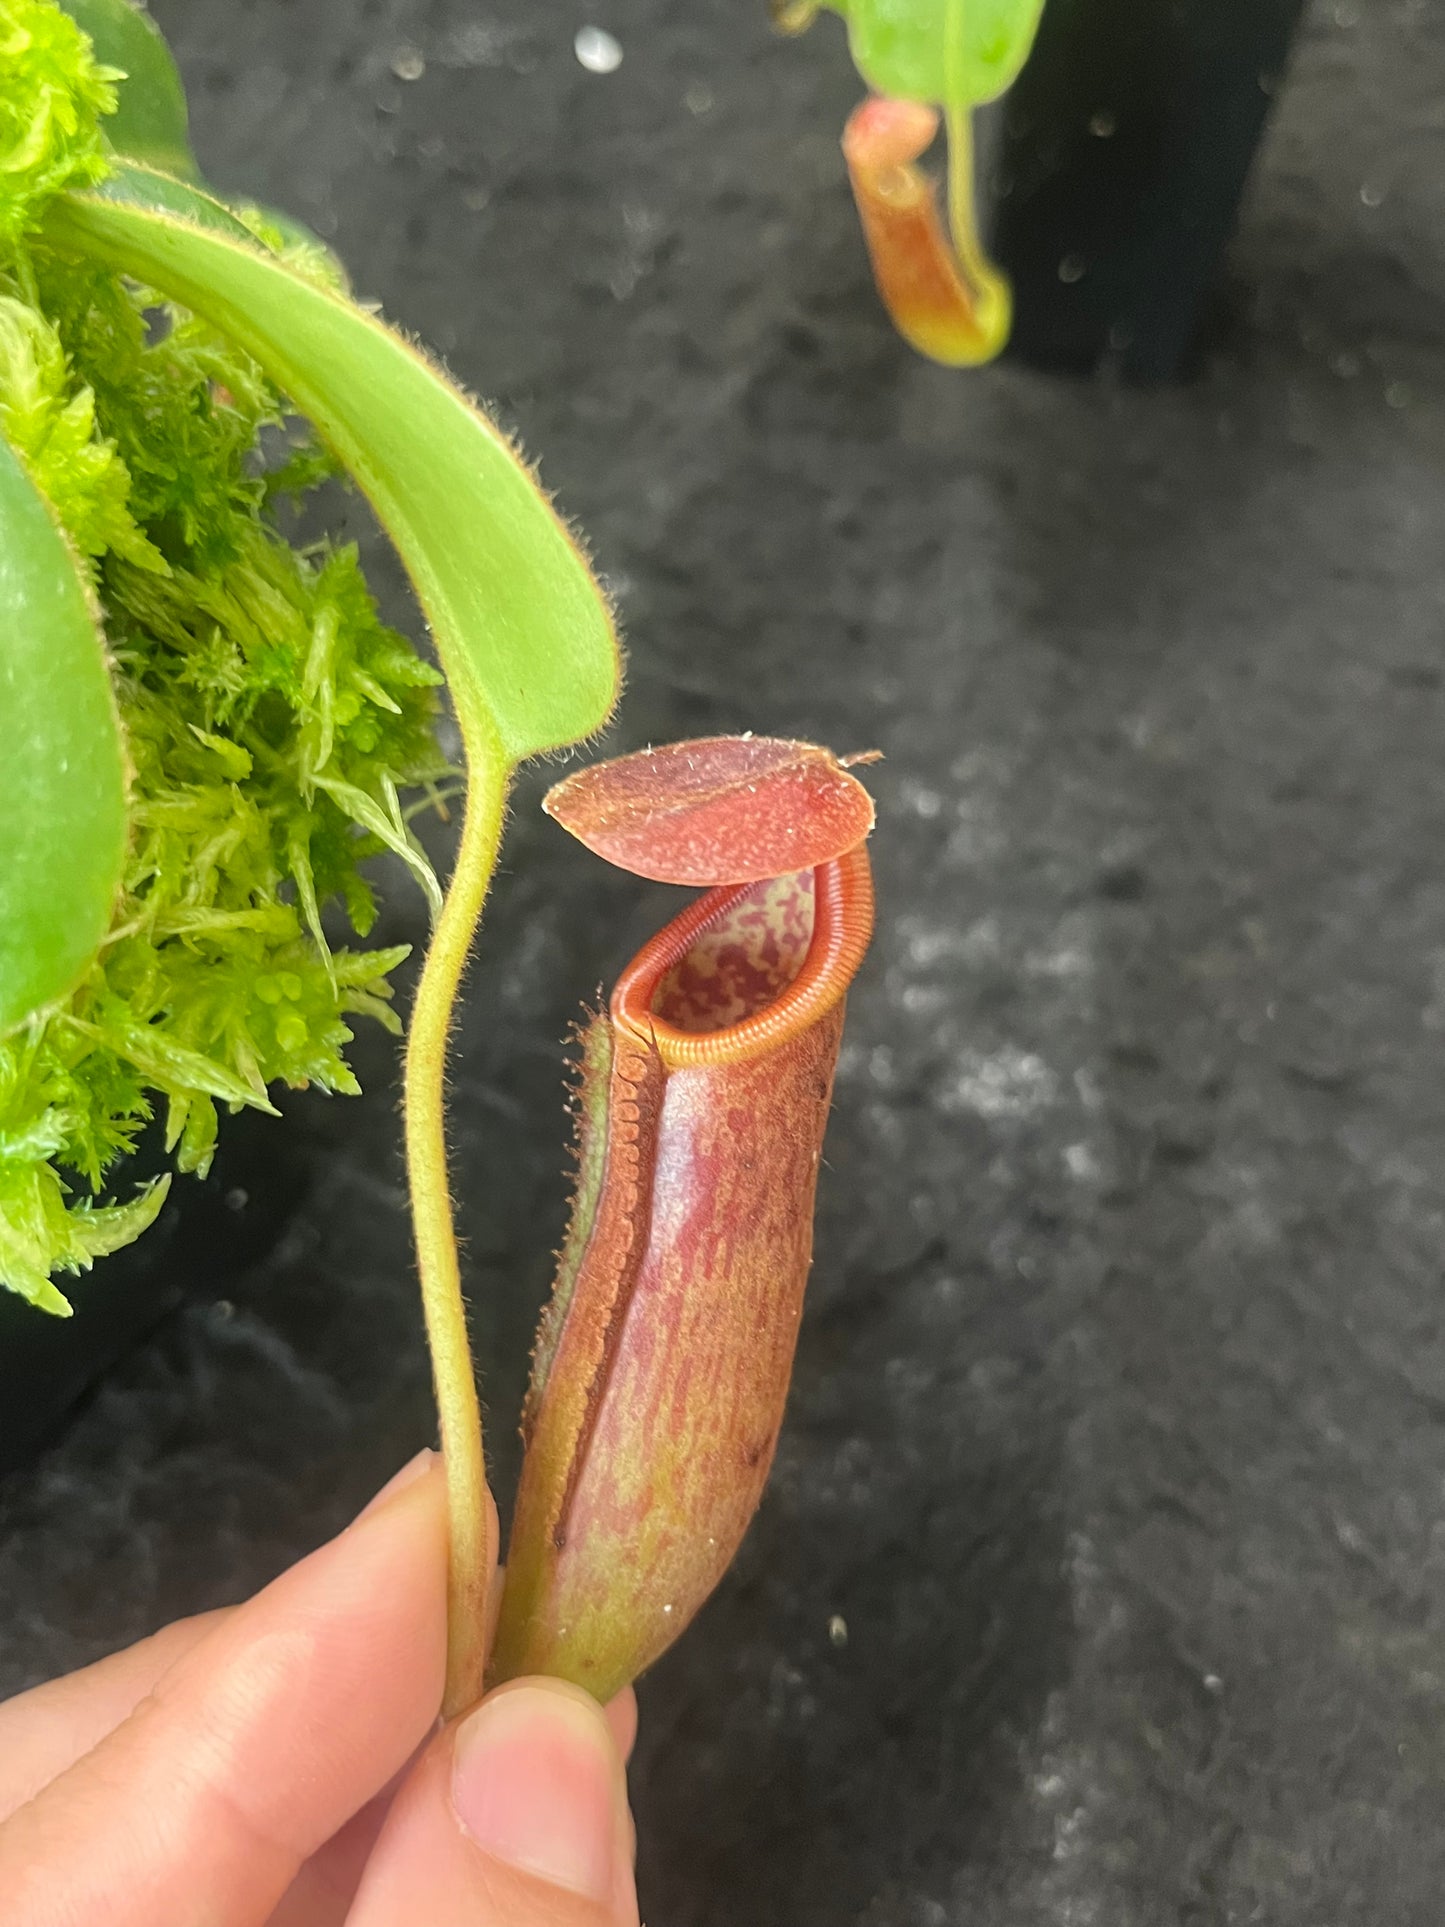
(516, 1817)
(44, 1731)
(325, 1887)
(257, 1746)
(322, 1893)
(621, 1711)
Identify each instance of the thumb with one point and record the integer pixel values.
(515, 1817)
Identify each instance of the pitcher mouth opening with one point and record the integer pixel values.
(750, 965)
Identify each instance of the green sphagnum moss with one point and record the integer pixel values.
(271, 719)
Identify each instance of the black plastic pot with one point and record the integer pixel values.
(1124, 151)
(209, 1231)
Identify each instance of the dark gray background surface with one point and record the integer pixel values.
(1118, 1432)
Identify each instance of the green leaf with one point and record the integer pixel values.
(523, 631)
(63, 818)
(153, 191)
(150, 123)
(954, 53)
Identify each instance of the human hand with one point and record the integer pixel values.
(259, 1766)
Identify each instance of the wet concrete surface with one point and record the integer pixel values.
(1117, 1442)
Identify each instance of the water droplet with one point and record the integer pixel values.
(597, 50)
(1081, 1163)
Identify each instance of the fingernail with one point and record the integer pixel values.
(535, 1782)
(408, 1475)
